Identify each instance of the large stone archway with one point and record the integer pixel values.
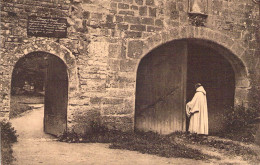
(48, 46)
(230, 49)
(233, 50)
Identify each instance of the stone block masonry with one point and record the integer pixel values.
(107, 39)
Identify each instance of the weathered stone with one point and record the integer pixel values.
(123, 6)
(129, 105)
(109, 25)
(122, 27)
(135, 49)
(149, 2)
(114, 51)
(243, 83)
(133, 7)
(180, 6)
(143, 11)
(126, 12)
(241, 96)
(113, 101)
(138, 27)
(106, 40)
(120, 93)
(114, 110)
(174, 15)
(153, 28)
(86, 14)
(96, 16)
(110, 18)
(152, 12)
(139, 2)
(124, 123)
(113, 65)
(127, 65)
(119, 19)
(147, 21)
(128, 1)
(131, 34)
(183, 32)
(126, 82)
(159, 22)
(113, 5)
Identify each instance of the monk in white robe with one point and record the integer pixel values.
(197, 110)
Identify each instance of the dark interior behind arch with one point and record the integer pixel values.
(44, 73)
(215, 73)
(206, 62)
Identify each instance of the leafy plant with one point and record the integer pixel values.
(8, 134)
(239, 123)
(71, 137)
(97, 128)
(8, 137)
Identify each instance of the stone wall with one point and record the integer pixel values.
(107, 39)
(14, 16)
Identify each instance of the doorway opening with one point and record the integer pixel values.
(165, 83)
(40, 83)
(208, 67)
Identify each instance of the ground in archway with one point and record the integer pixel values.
(35, 147)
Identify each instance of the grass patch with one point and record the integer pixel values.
(162, 145)
(144, 142)
(8, 137)
(152, 143)
(232, 148)
(19, 103)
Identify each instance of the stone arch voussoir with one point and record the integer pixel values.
(58, 50)
(232, 49)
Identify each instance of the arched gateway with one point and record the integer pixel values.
(61, 82)
(48, 73)
(166, 77)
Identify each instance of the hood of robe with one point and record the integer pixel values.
(201, 89)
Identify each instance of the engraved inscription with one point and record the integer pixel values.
(47, 27)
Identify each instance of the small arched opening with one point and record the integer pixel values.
(40, 81)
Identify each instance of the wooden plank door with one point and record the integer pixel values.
(56, 96)
(161, 89)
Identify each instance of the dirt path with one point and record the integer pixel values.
(35, 147)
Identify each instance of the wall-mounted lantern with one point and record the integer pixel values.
(198, 12)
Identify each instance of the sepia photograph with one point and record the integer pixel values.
(130, 82)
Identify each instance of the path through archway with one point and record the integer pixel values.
(43, 75)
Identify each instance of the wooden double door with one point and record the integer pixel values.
(165, 83)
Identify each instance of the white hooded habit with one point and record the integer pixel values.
(198, 111)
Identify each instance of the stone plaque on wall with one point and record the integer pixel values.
(47, 27)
